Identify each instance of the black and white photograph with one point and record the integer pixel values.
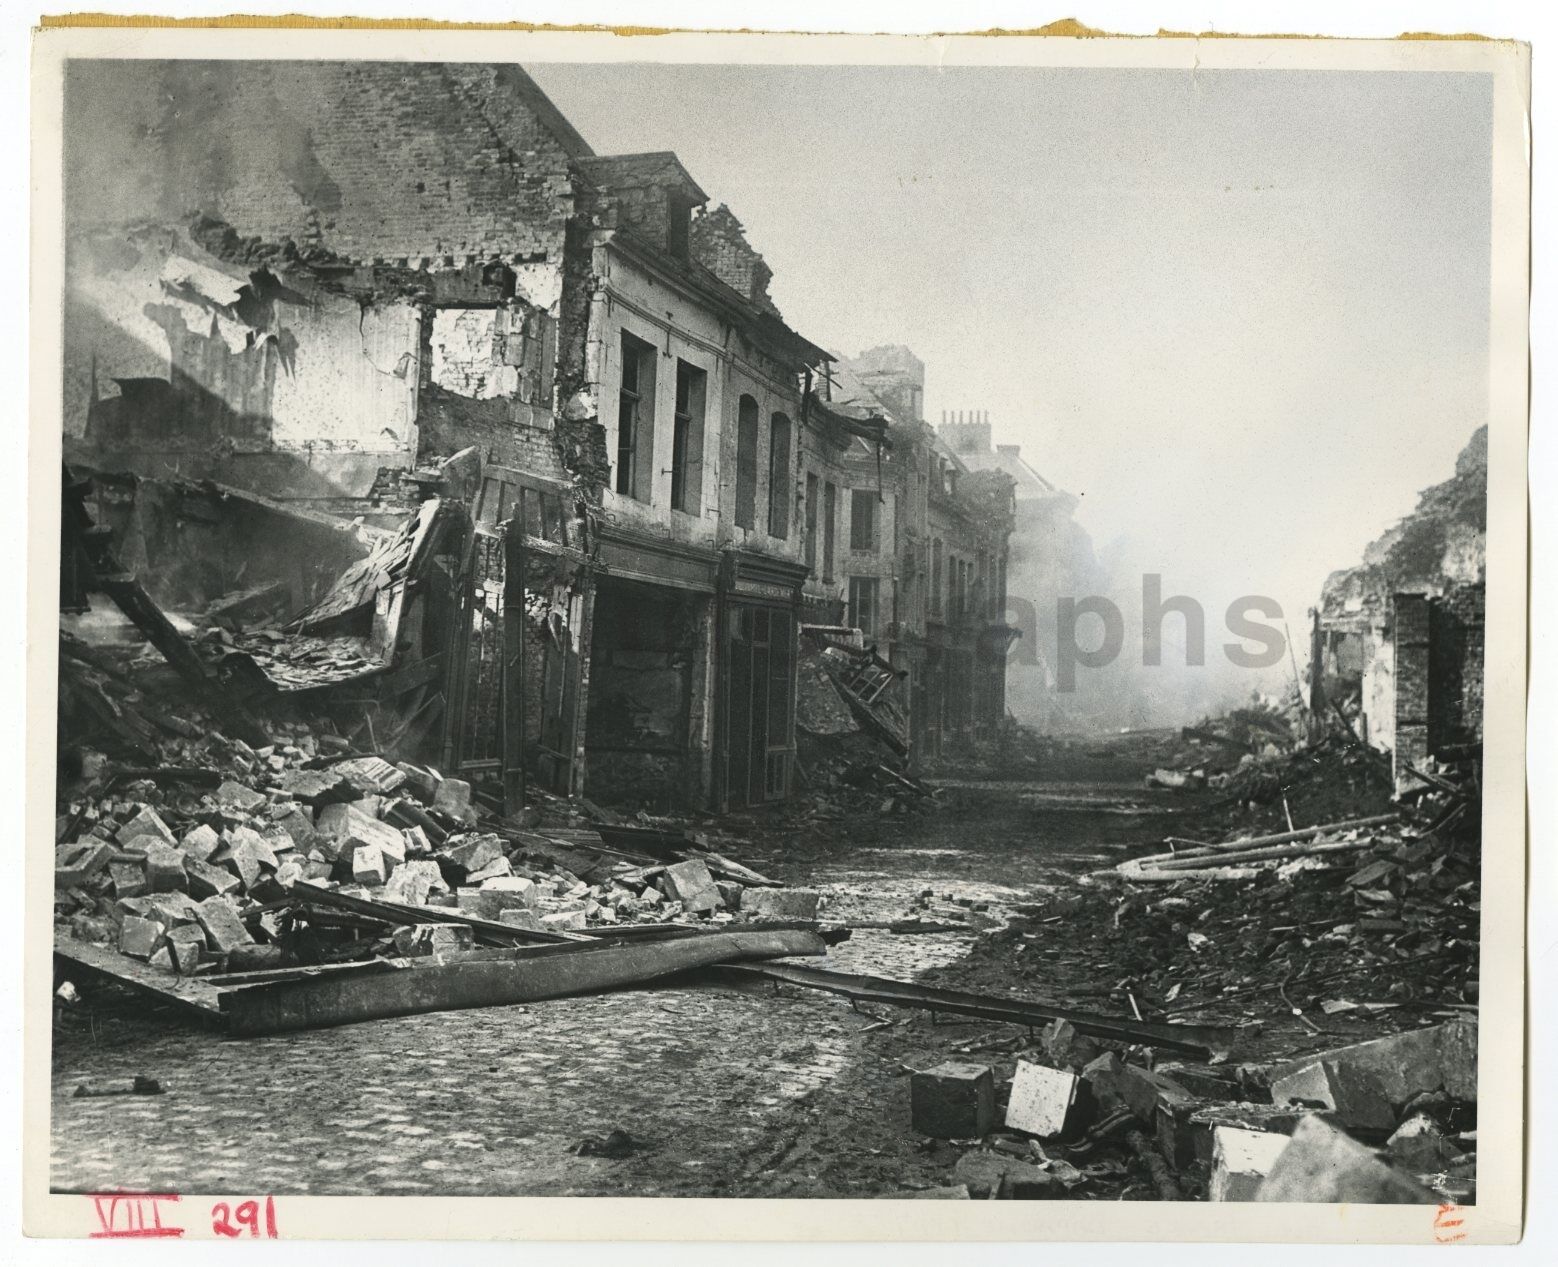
(809, 622)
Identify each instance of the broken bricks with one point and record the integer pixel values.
(953, 1101)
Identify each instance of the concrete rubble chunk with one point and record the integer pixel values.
(238, 855)
(171, 908)
(1185, 1138)
(236, 796)
(1240, 1160)
(139, 937)
(475, 853)
(1115, 1083)
(691, 884)
(1042, 1100)
(129, 878)
(224, 930)
(259, 846)
(729, 894)
(162, 958)
(1419, 1146)
(1439, 1058)
(1066, 1048)
(347, 825)
(994, 1176)
(370, 866)
(206, 879)
(955, 1100)
(1352, 1096)
(165, 869)
(74, 864)
(186, 956)
(146, 822)
(453, 797)
(201, 842)
(564, 921)
(512, 890)
(1322, 1164)
(498, 868)
(522, 917)
(780, 904)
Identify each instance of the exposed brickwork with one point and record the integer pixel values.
(720, 244)
(400, 161)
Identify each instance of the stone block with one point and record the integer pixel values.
(1419, 1146)
(512, 890)
(76, 863)
(496, 869)
(349, 825)
(165, 869)
(370, 866)
(1185, 1137)
(1322, 1164)
(1439, 1058)
(224, 930)
(187, 934)
(417, 843)
(206, 879)
(952, 1192)
(729, 894)
(474, 853)
(1240, 1161)
(185, 955)
(171, 908)
(129, 878)
(780, 904)
(139, 937)
(691, 884)
(1043, 1101)
(140, 846)
(564, 921)
(162, 958)
(1066, 1048)
(990, 1176)
(1115, 1084)
(201, 842)
(127, 906)
(953, 1101)
(146, 822)
(1351, 1095)
(453, 797)
(236, 796)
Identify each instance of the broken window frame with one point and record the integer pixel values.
(779, 430)
(634, 473)
(830, 495)
(813, 485)
(864, 596)
(862, 520)
(746, 462)
(687, 438)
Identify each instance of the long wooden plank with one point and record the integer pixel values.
(327, 1001)
(1197, 1040)
(189, 994)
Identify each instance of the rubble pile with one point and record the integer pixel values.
(191, 863)
(1390, 1121)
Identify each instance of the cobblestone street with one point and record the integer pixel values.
(727, 1090)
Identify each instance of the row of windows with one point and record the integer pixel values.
(634, 469)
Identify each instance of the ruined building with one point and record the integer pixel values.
(1051, 558)
(1400, 636)
(391, 283)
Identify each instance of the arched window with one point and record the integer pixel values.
(746, 463)
(779, 476)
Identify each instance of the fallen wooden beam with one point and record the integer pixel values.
(190, 995)
(1195, 1040)
(531, 974)
(488, 931)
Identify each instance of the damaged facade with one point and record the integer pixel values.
(403, 283)
(1399, 639)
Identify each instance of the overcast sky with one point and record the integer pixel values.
(1242, 314)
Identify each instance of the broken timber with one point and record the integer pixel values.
(1194, 1040)
(191, 996)
(527, 976)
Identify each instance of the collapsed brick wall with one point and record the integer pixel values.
(375, 160)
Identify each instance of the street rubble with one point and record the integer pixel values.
(1248, 966)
